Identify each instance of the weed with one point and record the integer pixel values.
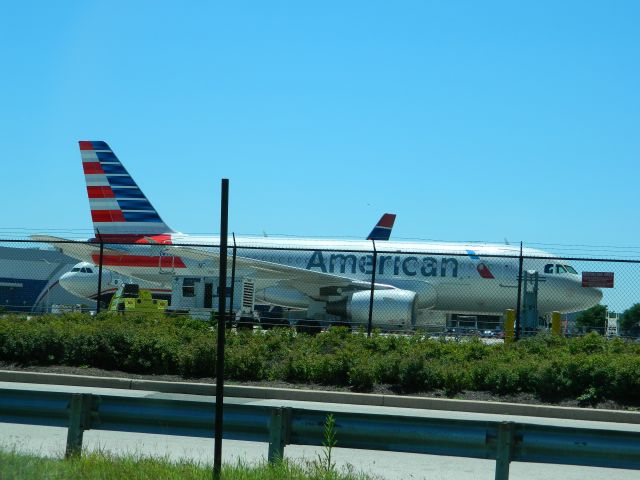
(324, 463)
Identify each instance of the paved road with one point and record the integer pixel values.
(50, 441)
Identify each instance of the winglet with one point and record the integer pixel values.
(382, 230)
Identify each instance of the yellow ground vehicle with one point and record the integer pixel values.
(131, 298)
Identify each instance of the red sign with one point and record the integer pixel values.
(597, 279)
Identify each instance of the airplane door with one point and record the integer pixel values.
(166, 262)
(510, 275)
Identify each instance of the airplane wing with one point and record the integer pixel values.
(79, 250)
(316, 285)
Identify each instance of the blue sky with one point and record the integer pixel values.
(470, 120)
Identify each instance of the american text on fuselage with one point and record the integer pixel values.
(409, 265)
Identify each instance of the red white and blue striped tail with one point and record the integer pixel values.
(119, 209)
(382, 230)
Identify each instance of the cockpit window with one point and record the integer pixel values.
(549, 268)
(89, 270)
(75, 269)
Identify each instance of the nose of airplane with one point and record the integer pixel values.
(585, 297)
(594, 295)
(568, 295)
(73, 283)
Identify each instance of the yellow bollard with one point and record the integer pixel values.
(509, 326)
(556, 323)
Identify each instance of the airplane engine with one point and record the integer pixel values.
(396, 308)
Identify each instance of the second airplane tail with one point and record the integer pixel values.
(119, 209)
(382, 230)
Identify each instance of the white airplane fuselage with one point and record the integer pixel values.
(446, 277)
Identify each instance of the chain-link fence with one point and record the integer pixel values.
(449, 290)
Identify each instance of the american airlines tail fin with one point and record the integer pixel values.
(382, 230)
(119, 209)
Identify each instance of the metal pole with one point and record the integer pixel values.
(504, 449)
(279, 432)
(224, 222)
(100, 274)
(233, 280)
(518, 302)
(79, 421)
(373, 281)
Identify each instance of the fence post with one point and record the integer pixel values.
(224, 232)
(100, 274)
(504, 449)
(79, 421)
(373, 281)
(233, 283)
(519, 299)
(279, 429)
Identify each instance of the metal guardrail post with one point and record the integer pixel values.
(279, 433)
(504, 449)
(79, 421)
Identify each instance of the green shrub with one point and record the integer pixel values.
(454, 380)
(589, 369)
(362, 376)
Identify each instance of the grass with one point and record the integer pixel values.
(104, 466)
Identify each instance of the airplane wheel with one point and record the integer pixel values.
(310, 327)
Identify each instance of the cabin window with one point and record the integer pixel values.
(189, 287)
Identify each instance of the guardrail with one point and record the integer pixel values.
(175, 414)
